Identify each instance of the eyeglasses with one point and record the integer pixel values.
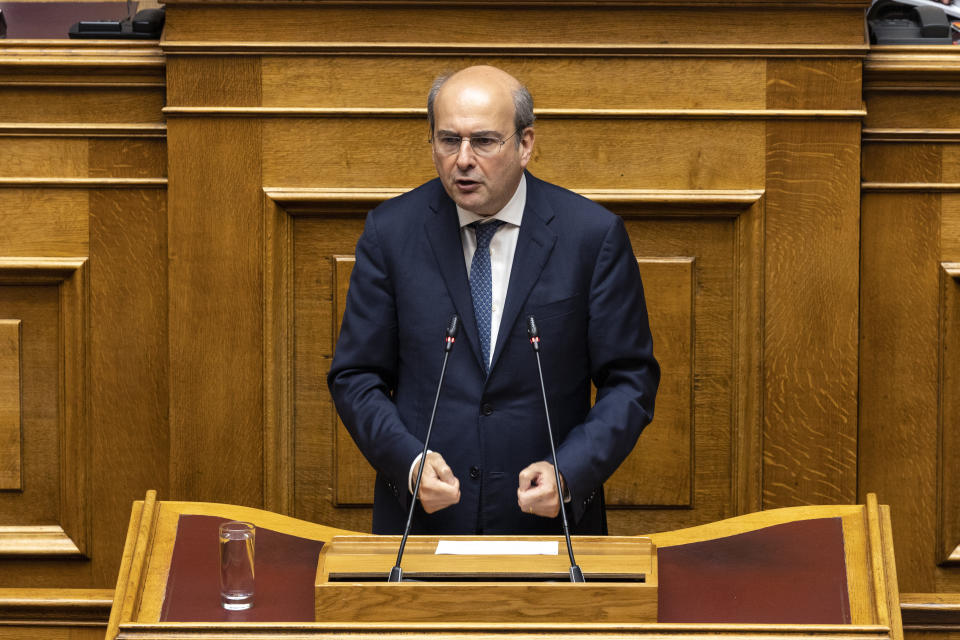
(483, 146)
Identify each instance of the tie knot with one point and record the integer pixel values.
(485, 231)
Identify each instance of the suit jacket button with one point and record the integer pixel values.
(474, 472)
(486, 409)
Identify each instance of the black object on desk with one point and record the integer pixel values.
(892, 22)
(146, 25)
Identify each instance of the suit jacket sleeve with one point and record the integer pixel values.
(622, 368)
(363, 375)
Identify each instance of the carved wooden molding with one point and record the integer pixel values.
(894, 68)
(69, 537)
(79, 63)
(929, 187)
(85, 183)
(620, 50)
(910, 135)
(948, 514)
(544, 114)
(627, 202)
(11, 426)
(55, 607)
(930, 612)
(278, 391)
(85, 130)
(36, 541)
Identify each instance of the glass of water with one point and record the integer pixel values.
(236, 565)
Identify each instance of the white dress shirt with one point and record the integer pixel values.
(502, 247)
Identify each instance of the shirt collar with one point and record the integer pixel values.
(511, 213)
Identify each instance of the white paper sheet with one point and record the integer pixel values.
(498, 547)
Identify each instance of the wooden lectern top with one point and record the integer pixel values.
(863, 550)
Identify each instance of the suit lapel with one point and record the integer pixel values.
(534, 245)
(443, 232)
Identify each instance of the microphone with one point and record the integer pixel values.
(576, 575)
(396, 574)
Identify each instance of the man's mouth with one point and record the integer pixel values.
(466, 184)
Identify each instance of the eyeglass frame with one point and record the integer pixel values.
(502, 142)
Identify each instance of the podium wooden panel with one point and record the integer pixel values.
(620, 573)
(871, 584)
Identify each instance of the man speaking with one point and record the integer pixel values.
(493, 244)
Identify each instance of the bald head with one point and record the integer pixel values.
(479, 81)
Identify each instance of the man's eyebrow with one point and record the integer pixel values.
(472, 134)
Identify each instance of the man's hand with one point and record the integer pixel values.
(439, 488)
(537, 493)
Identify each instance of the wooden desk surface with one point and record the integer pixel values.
(870, 571)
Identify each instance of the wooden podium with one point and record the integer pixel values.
(620, 572)
(824, 572)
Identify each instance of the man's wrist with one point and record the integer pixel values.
(411, 473)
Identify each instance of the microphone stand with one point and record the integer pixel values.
(576, 575)
(396, 574)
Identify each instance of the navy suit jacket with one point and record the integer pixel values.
(575, 271)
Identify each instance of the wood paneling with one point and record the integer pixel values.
(488, 24)
(948, 517)
(216, 327)
(564, 82)
(581, 154)
(218, 81)
(811, 314)
(806, 339)
(813, 84)
(910, 171)
(660, 470)
(49, 296)
(898, 370)
(83, 263)
(10, 406)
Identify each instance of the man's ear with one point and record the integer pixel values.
(526, 146)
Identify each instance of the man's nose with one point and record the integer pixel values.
(465, 155)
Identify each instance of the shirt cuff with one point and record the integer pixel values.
(410, 474)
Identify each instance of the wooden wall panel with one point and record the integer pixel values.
(326, 484)
(563, 82)
(660, 470)
(810, 352)
(43, 105)
(948, 515)
(129, 388)
(484, 24)
(43, 222)
(581, 154)
(910, 190)
(898, 371)
(82, 188)
(950, 219)
(216, 81)
(216, 325)
(813, 83)
(912, 110)
(49, 296)
(11, 430)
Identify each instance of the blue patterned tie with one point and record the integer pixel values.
(481, 283)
